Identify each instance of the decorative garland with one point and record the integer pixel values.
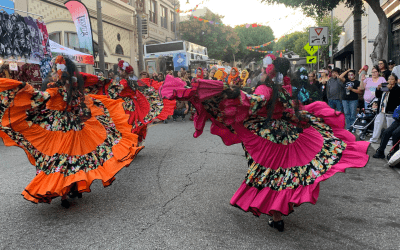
(191, 10)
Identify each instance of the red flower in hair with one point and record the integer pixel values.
(129, 69)
(60, 60)
(270, 70)
(272, 56)
(121, 64)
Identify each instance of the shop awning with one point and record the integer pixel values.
(76, 56)
(347, 50)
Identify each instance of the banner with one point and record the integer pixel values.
(81, 19)
(74, 55)
(180, 61)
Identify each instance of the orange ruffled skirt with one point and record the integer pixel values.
(65, 155)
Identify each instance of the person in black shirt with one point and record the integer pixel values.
(384, 69)
(350, 99)
(389, 101)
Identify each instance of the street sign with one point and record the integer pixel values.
(311, 59)
(318, 36)
(311, 50)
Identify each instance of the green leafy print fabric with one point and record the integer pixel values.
(56, 120)
(260, 176)
(63, 163)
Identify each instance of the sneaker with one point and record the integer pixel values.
(183, 119)
(372, 141)
(379, 155)
(390, 143)
(165, 122)
(174, 120)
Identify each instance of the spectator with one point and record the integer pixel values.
(335, 91)
(330, 68)
(369, 85)
(324, 80)
(160, 77)
(110, 75)
(143, 75)
(350, 99)
(100, 73)
(185, 78)
(392, 131)
(199, 73)
(314, 88)
(154, 76)
(182, 108)
(234, 78)
(388, 101)
(384, 69)
(391, 65)
(206, 73)
(212, 73)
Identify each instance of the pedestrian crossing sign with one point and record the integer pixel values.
(311, 50)
(311, 59)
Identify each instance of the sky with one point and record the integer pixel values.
(253, 11)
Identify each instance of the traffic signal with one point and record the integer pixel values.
(144, 26)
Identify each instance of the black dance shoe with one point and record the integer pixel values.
(65, 203)
(74, 194)
(379, 154)
(276, 224)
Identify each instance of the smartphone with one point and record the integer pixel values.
(384, 87)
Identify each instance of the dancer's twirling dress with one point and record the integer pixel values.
(143, 104)
(79, 145)
(286, 164)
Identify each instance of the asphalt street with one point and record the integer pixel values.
(176, 193)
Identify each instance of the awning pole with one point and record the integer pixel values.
(20, 10)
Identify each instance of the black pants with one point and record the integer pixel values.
(392, 131)
(179, 112)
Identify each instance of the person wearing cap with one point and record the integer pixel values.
(391, 65)
(335, 91)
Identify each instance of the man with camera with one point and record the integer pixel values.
(389, 98)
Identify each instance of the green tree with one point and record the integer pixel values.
(253, 37)
(322, 7)
(289, 43)
(222, 41)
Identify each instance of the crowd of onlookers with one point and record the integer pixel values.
(379, 92)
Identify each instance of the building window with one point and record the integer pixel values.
(163, 17)
(153, 11)
(71, 40)
(55, 37)
(119, 50)
(172, 18)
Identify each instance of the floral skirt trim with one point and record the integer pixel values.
(57, 172)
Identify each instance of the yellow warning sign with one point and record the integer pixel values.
(311, 50)
(311, 59)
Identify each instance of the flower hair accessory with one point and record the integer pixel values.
(60, 65)
(125, 66)
(267, 63)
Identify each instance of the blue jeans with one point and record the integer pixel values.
(336, 105)
(350, 111)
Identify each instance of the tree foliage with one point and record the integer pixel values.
(222, 41)
(295, 41)
(253, 37)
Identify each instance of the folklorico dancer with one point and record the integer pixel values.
(290, 148)
(142, 101)
(72, 139)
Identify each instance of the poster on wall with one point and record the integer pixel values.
(81, 18)
(180, 61)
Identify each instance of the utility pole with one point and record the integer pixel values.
(140, 39)
(331, 37)
(176, 3)
(100, 35)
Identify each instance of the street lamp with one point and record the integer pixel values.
(343, 31)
